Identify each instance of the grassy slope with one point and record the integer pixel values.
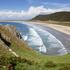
(18, 45)
(4, 51)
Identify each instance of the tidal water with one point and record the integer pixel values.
(39, 39)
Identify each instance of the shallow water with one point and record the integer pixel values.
(39, 39)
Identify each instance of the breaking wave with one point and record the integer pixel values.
(35, 40)
(53, 45)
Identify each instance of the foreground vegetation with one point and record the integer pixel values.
(18, 63)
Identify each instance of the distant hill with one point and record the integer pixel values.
(58, 16)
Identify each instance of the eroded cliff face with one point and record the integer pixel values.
(5, 41)
(8, 34)
(11, 38)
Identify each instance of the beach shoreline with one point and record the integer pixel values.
(61, 28)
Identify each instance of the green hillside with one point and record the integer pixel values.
(27, 59)
(58, 16)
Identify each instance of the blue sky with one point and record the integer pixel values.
(25, 4)
(18, 7)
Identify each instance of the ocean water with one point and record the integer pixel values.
(39, 39)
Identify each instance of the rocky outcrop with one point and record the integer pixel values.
(8, 35)
(5, 39)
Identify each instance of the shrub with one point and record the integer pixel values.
(3, 60)
(17, 63)
(22, 66)
(24, 60)
(50, 64)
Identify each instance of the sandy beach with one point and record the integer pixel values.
(61, 28)
(64, 29)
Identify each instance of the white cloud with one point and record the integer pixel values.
(31, 12)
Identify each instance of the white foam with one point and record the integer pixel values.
(36, 40)
(52, 40)
(25, 37)
(42, 49)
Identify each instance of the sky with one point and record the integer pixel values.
(26, 9)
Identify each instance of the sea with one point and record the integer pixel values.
(38, 39)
